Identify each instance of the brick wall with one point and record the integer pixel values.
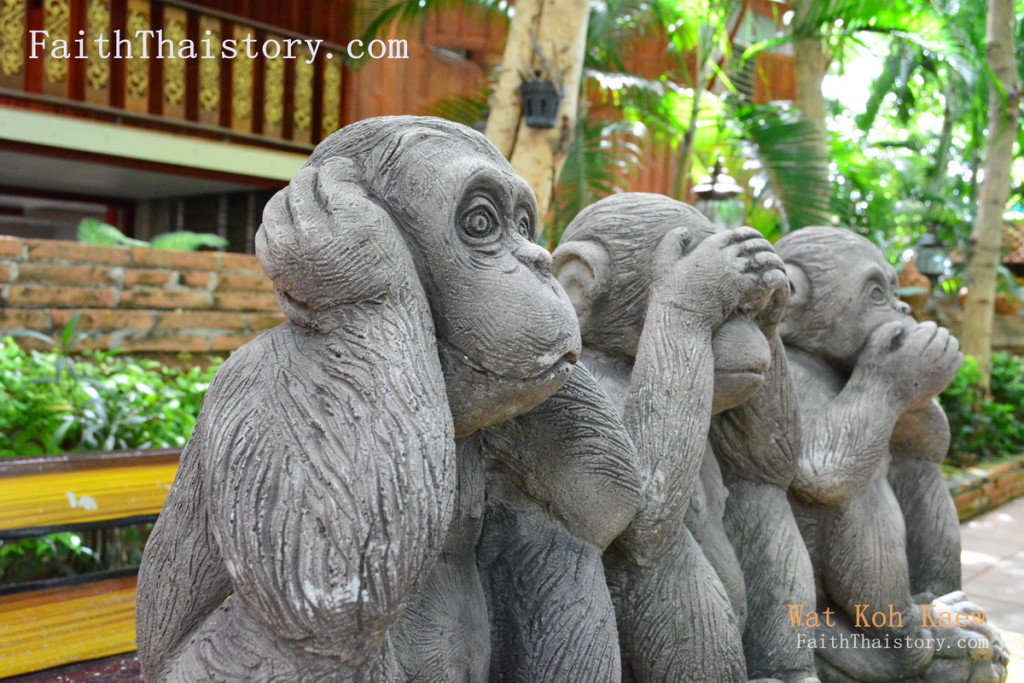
(139, 300)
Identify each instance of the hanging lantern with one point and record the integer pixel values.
(541, 101)
(718, 198)
(930, 256)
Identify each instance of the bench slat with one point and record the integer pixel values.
(43, 629)
(86, 495)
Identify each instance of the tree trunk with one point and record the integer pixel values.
(809, 68)
(559, 28)
(986, 237)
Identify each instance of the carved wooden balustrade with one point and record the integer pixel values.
(285, 102)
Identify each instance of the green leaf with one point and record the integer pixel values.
(188, 241)
(98, 233)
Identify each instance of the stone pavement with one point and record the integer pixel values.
(993, 573)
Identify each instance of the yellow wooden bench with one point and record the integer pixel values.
(45, 624)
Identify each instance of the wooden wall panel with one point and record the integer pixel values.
(775, 78)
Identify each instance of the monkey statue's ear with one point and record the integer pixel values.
(582, 268)
(325, 243)
(799, 297)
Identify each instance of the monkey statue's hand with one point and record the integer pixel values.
(326, 243)
(726, 271)
(915, 361)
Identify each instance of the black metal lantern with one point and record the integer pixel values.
(541, 102)
(930, 256)
(718, 198)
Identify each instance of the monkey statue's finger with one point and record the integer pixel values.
(753, 246)
(742, 234)
(776, 282)
(672, 247)
(764, 260)
(304, 202)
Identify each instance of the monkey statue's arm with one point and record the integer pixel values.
(668, 409)
(918, 444)
(846, 434)
(562, 483)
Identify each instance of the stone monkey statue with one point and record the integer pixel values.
(667, 312)
(319, 501)
(876, 518)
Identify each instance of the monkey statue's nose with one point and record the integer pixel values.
(535, 256)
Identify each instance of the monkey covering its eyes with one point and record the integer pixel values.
(678, 324)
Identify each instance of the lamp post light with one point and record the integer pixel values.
(718, 198)
(930, 257)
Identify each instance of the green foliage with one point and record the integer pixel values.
(183, 240)
(789, 153)
(602, 155)
(50, 403)
(71, 553)
(45, 557)
(986, 430)
(98, 233)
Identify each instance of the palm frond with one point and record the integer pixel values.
(791, 153)
(601, 159)
(469, 110)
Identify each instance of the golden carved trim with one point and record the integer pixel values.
(273, 92)
(331, 121)
(97, 73)
(12, 33)
(209, 75)
(241, 80)
(57, 21)
(174, 64)
(137, 69)
(303, 115)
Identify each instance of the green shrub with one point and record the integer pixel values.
(996, 430)
(103, 401)
(51, 402)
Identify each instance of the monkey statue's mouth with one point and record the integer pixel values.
(740, 375)
(452, 356)
(735, 387)
(480, 397)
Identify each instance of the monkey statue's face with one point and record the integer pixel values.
(843, 289)
(507, 333)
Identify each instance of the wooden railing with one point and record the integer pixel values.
(126, 60)
(56, 622)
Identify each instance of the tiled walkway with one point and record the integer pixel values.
(993, 566)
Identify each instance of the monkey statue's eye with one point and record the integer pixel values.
(877, 295)
(479, 222)
(523, 226)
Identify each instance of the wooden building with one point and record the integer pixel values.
(104, 113)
